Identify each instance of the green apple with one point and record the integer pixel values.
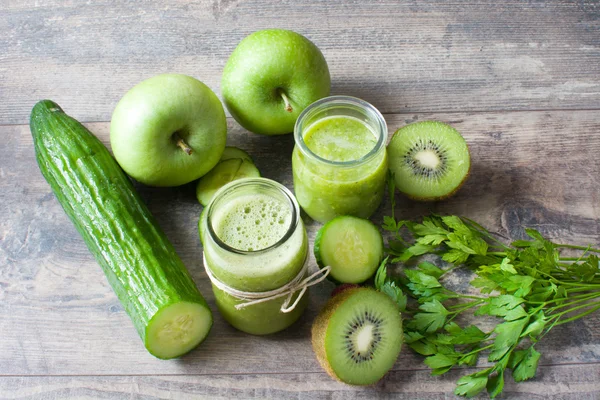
(271, 76)
(168, 130)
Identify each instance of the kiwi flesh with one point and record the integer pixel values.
(429, 160)
(357, 336)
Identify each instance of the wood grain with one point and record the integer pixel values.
(402, 56)
(555, 382)
(58, 315)
(520, 80)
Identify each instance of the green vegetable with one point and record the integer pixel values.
(351, 246)
(225, 172)
(528, 284)
(140, 263)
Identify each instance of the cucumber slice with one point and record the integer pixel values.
(200, 224)
(176, 329)
(351, 246)
(225, 172)
(247, 170)
(234, 152)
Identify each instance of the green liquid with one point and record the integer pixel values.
(327, 190)
(252, 222)
(340, 139)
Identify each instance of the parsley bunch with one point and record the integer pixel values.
(528, 284)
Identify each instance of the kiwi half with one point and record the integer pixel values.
(429, 160)
(358, 335)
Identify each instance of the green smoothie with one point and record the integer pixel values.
(349, 177)
(340, 139)
(258, 243)
(252, 222)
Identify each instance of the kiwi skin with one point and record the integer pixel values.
(319, 329)
(435, 198)
(321, 323)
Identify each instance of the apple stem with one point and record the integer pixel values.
(286, 101)
(183, 145)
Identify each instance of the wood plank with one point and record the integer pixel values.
(59, 316)
(402, 56)
(553, 382)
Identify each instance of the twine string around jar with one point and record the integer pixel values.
(299, 283)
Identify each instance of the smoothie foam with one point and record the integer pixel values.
(252, 222)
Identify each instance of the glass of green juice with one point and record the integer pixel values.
(339, 163)
(254, 241)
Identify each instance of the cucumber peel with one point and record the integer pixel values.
(139, 262)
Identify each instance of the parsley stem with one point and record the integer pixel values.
(480, 229)
(594, 295)
(583, 314)
(496, 253)
(458, 308)
(478, 350)
(595, 303)
(581, 296)
(449, 270)
(552, 278)
(572, 246)
(462, 296)
(577, 289)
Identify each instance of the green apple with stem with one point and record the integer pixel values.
(168, 130)
(271, 76)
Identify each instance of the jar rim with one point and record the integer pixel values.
(341, 102)
(246, 182)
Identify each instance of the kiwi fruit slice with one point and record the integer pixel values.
(429, 160)
(357, 336)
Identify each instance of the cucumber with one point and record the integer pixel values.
(234, 152)
(225, 172)
(351, 246)
(141, 265)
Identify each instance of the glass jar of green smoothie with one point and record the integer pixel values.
(254, 244)
(339, 163)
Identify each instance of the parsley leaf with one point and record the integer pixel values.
(471, 385)
(528, 285)
(440, 361)
(432, 318)
(524, 364)
(507, 337)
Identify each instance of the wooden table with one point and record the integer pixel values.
(520, 80)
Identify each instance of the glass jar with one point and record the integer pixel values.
(254, 241)
(328, 179)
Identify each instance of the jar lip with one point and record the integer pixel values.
(245, 182)
(341, 101)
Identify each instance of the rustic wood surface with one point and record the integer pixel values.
(520, 80)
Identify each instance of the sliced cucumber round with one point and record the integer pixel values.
(176, 329)
(200, 224)
(351, 246)
(225, 172)
(247, 170)
(234, 152)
